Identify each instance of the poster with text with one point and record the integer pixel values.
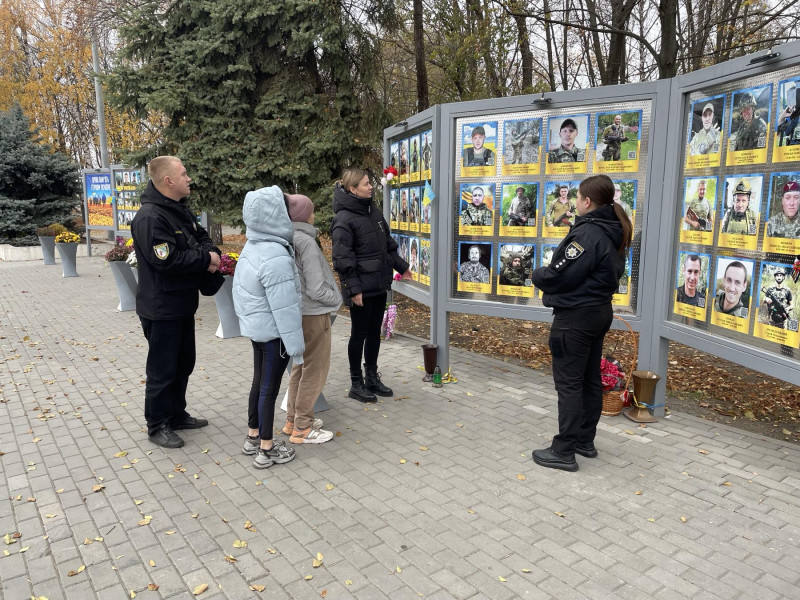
(559, 207)
(567, 144)
(692, 285)
(699, 203)
(782, 230)
(402, 247)
(706, 122)
(733, 292)
(622, 297)
(404, 209)
(425, 261)
(427, 207)
(625, 196)
(546, 257)
(518, 209)
(413, 257)
(617, 142)
(404, 175)
(414, 158)
(776, 320)
(394, 156)
(478, 148)
(394, 210)
(477, 209)
(99, 201)
(749, 126)
(514, 267)
(426, 155)
(787, 122)
(741, 211)
(474, 267)
(414, 208)
(521, 149)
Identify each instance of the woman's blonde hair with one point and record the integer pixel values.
(351, 178)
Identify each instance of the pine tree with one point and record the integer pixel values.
(257, 93)
(37, 187)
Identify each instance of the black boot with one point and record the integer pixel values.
(374, 383)
(358, 391)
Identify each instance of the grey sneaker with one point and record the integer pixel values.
(279, 453)
(251, 445)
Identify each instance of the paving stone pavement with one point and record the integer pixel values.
(430, 494)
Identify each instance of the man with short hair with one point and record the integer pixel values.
(706, 141)
(689, 292)
(520, 212)
(734, 283)
(173, 254)
(478, 156)
(477, 213)
(618, 200)
(567, 152)
(561, 210)
(786, 223)
(752, 132)
(788, 129)
(427, 154)
(614, 136)
(513, 273)
(779, 301)
(473, 271)
(739, 218)
(698, 213)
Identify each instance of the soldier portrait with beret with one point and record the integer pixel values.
(784, 205)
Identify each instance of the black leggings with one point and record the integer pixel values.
(365, 332)
(269, 364)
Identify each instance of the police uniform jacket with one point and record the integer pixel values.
(364, 252)
(586, 266)
(172, 252)
(266, 287)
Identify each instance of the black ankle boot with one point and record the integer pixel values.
(358, 391)
(374, 383)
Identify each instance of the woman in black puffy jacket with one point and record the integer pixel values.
(364, 255)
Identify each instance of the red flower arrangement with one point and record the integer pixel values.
(389, 173)
(611, 375)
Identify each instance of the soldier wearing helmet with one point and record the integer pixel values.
(739, 218)
(706, 141)
(752, 132)
(786, 223)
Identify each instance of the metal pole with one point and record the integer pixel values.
(101, 125)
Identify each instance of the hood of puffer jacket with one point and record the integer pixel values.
(264, 213)
(344, 200)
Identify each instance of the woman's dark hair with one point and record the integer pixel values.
(600, 190)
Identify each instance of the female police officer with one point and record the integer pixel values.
(579, 284)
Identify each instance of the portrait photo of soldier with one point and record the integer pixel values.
(413, 206)
(742, 205)
(567, 139)
(427, 150)
(787, 129)
(425, 258)
(625, 195)
(475, 260)
(477, 201)
(413, 260)
(734, 278)
(395, 207)
(414, 154)
(692, 279)
(560, 204)
(516, 264)
(519, 205)
(475, 152)
(617, 136)
(748, 126)
(521, 141)
(402, 247)
(394, 155)
(706, 121)
(697, 214)
(404, 206)
(784, 205)
(404, 157)
(776, 306)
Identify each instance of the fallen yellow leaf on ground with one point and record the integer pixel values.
(258, 588)
(200, 589)
(240, 544)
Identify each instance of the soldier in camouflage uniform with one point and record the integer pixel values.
(520, 212)
(786, 223)
(752, 133)
(478, 156)
(567, 152)
(473, 271)
(618, 200)
(706, 141)
(788, 130)
(613, 137)
(427, 153)
(783, 296)
(739, 218)
(691, 291)
(513, 273)
(561, 211)
(477, 213)
(701, 209)
(414, 157)
(729, 300)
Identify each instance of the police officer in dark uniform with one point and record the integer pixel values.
(175, 257)
(579, 284)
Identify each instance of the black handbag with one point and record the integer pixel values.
(210, 283)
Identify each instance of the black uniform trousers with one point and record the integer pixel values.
(576, 343)
(365, 332)
(170, 361)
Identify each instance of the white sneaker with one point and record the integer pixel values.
(288, 428)
(311, 436)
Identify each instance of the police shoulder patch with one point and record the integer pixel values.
(573, 251)
(161, 250)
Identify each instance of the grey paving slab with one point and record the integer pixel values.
(429, 494)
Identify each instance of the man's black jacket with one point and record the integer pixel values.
(172, 253)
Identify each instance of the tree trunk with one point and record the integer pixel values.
(523, 40)
(548, 36)
(668, 54)
(419, 56)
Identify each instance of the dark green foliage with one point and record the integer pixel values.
(257, 93)
(37, 186)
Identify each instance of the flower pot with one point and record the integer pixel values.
(68, 253)
(48, 243)
(126, 284)
(228, 321)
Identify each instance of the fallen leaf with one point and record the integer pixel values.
(138, 502)
(152, 563)
(98, 539)
(309, 577)
(170, 532)
(87, 541)
(200, 589)
(249, 526)
(152, 587)
(271, 550)
(195, 515)
(258, 588)
(526, 570)
(423, 448)
(652, 520)
(240, 544)
(786, 432)
(348, 582)
(728, 483)
(133, 594)
(502, 578)
(629, 432)
(10, 539)
(562, 515)
(229, 558)
(683, 519)
(25, 549)
(520, 476)
(638, 492)
(97, 487)
(121, 454)
(403, 461)
(329, 487)
(80, 569)
(472, 512)
(398, 569)
(701, 451)
(146, 520)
